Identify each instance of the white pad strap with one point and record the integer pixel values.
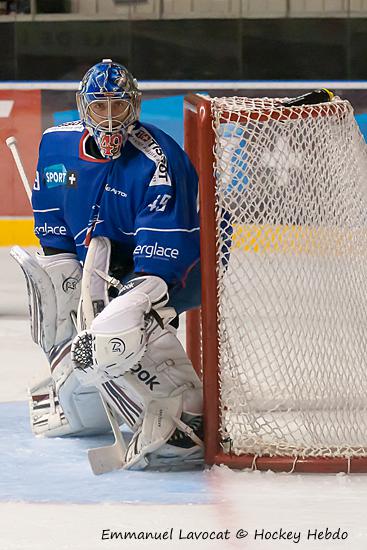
(188, 431)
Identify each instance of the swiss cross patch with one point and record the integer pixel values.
(71, 179)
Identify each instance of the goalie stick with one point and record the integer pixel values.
(11, 142)
(111, 457)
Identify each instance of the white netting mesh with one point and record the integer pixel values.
(292, 270)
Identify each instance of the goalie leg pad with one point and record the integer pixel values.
(73, 411)
(61, 406)
(53, 284)
(83, 407)
(171, 432)
(58, 405)
(160, 398)
(164, 371)
(158, 426)
(161, 392)
(166, 437)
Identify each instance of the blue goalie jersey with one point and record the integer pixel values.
(145, 201)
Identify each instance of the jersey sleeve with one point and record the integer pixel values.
(47, 202)
(167, 225)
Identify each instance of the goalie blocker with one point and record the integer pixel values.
(136, 360)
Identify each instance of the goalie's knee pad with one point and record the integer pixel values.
(58, 405)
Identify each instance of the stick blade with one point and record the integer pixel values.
(111, 457)
(106, 459)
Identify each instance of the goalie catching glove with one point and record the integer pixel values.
(118, 336)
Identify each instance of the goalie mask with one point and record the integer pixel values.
(108, 101)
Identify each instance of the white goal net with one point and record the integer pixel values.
(291, 208)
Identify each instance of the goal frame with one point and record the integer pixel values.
(202, 324)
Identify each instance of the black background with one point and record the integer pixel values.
(200, 49)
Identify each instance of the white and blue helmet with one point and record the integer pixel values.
(109, 101)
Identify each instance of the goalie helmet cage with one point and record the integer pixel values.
(281, 338)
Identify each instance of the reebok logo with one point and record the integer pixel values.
(145, 376)
(129, 286)
(155, 250)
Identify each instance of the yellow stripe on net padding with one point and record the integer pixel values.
(17, 231)
(297, 239)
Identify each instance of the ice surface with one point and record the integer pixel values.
(26, 460)
(49, 499)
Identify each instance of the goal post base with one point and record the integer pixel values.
(289, 464)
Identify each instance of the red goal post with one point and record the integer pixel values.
(273, 241)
